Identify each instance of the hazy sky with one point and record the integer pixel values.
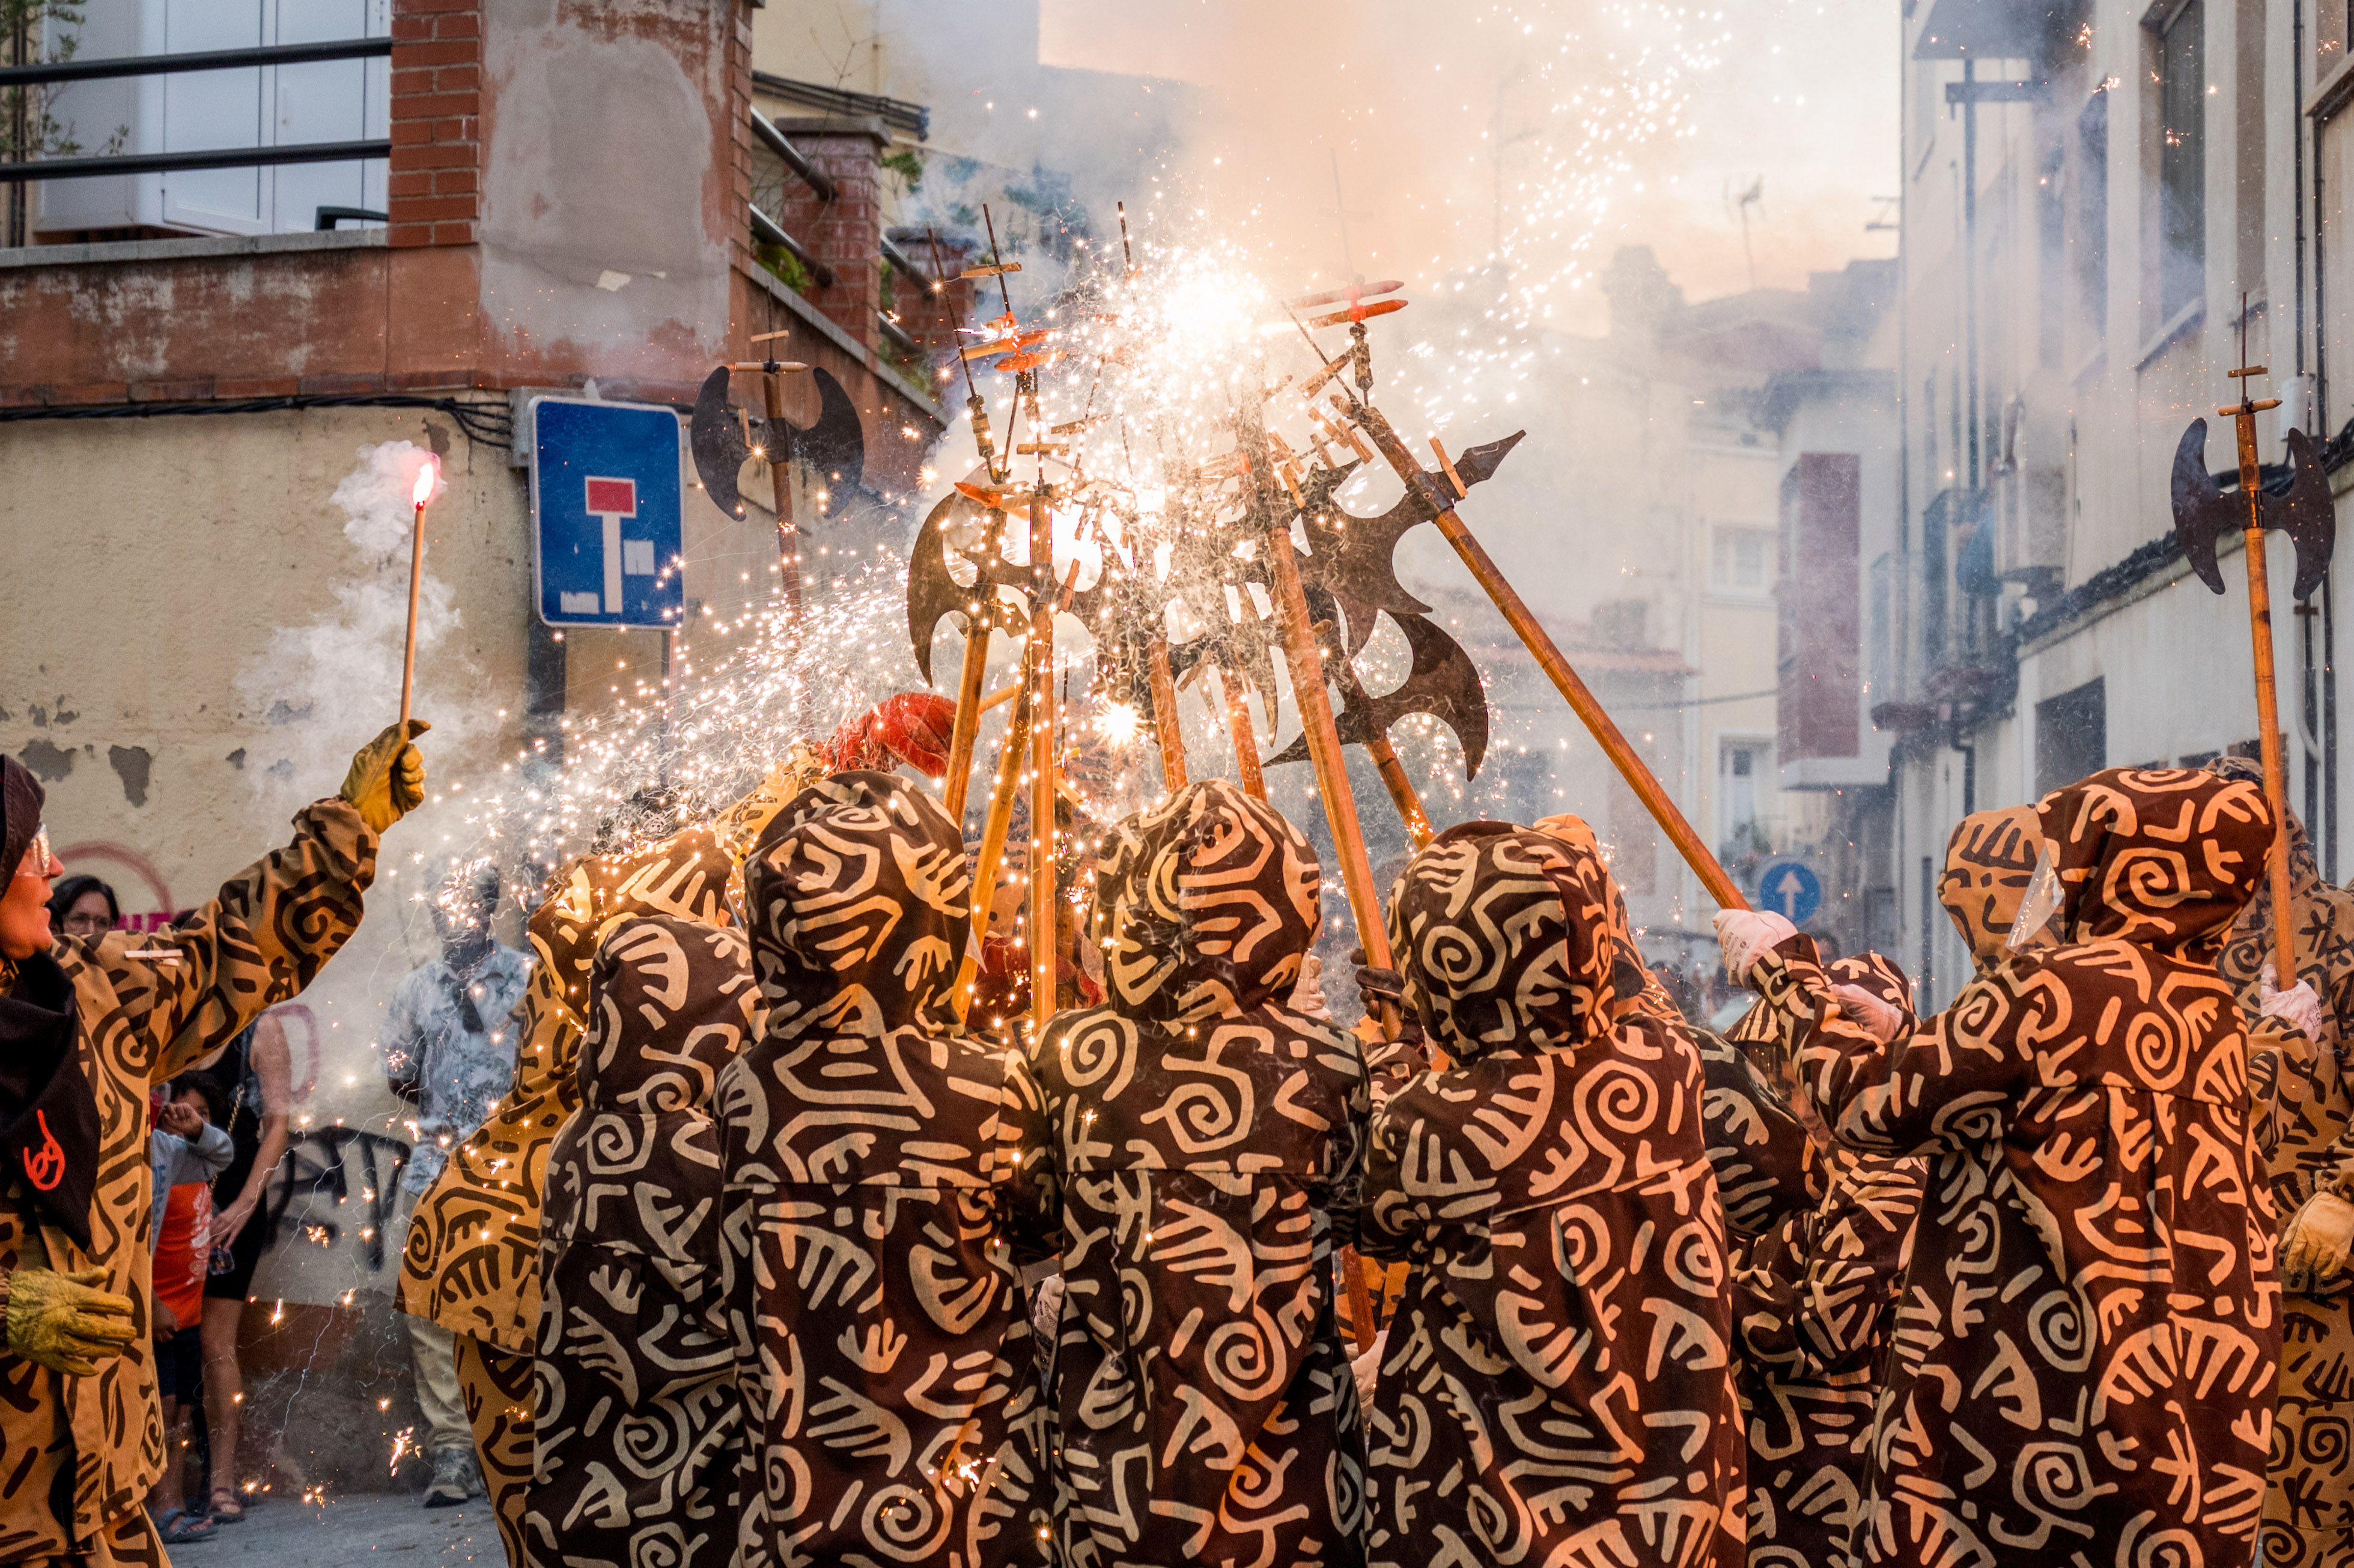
(1621, 122)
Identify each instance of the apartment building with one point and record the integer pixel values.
(2103, 202)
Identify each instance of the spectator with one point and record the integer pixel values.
(82, 905)
(449, 1051)
(257, 1075)
(186, 1150)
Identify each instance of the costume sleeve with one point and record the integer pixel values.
(1032, 1166)
(184, 991)
(1951, 1074)
(1764, 1166)
(1348, 1168)
(1393, 1223)
(1768, 1274)
(1858, 1245)
(749, 1180)
(2281, 1077)
(1391, 1065)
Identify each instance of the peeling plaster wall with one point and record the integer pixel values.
(605, 228)
(145, 562)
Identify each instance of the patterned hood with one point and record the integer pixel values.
(684, 876)
(1511, 938)
(1209, 901)
(858, 899)
(1988, 863)
(671, 1001)
(2160, 857)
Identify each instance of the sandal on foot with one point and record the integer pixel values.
(224, 1507)
(183, 1525)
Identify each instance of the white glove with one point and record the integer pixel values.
(1879, 1019)
(2314, 1247)
(2298, 1005)
(1745, 933)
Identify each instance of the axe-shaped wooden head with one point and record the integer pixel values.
(836, 445)
(933, 592)
(1442, 683)
(2204, 511)
(1353, 556)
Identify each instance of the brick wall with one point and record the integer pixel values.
(844, 233)
(932, 319)
(435, 186)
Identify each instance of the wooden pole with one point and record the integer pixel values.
(994, 831)
(1305, 663)
(969, 709)
(1252, 776)
(2259, 628)
(1385, 760)
(1165, 729)
(409, 647)
(789, 538)
(1040, 652)
(1623, 756)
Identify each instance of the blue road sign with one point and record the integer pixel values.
(1789, 889)
(605, 513)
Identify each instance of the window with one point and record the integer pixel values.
(2181, 161)
(1744, 560)
(1742, 766)
(2072, 736)
(2092, 204)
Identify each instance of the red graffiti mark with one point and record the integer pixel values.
(48, 1167)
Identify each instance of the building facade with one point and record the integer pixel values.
(2107, 208)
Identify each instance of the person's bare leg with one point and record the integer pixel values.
(222, 1388)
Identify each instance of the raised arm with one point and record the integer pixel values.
(1954, 1072)
(185, 991)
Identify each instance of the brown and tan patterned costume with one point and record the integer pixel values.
(2084, 1358)
(1557, 1384)
(1766, 1168)
(473, 1263)
(1200, 1137)
(637, 1432)
(1814, 1301)
(79, 1454)
(2305, 1104)
(882, 1350)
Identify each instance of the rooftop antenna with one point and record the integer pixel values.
(1753, 196)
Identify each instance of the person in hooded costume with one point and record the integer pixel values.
(472, 1262)
(872, 1155)
(1558, 1383)
(2305, 1104)
(1814, 1299)
(1203, 1147)
(2084, 1354)
(86, 1027)
(637, 1433)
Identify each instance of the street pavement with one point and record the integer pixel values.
(364, 1527)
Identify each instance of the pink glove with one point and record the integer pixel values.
(2298, 1006)
(1745, 935)
(1879, 1020)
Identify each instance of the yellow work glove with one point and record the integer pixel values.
(64, 1322)
(2314, 1248)
(388, 778)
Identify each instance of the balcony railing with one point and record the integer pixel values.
(28, 170)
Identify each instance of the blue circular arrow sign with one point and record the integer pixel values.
(1791, 889)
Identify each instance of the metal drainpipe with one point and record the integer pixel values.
(1970, 255)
